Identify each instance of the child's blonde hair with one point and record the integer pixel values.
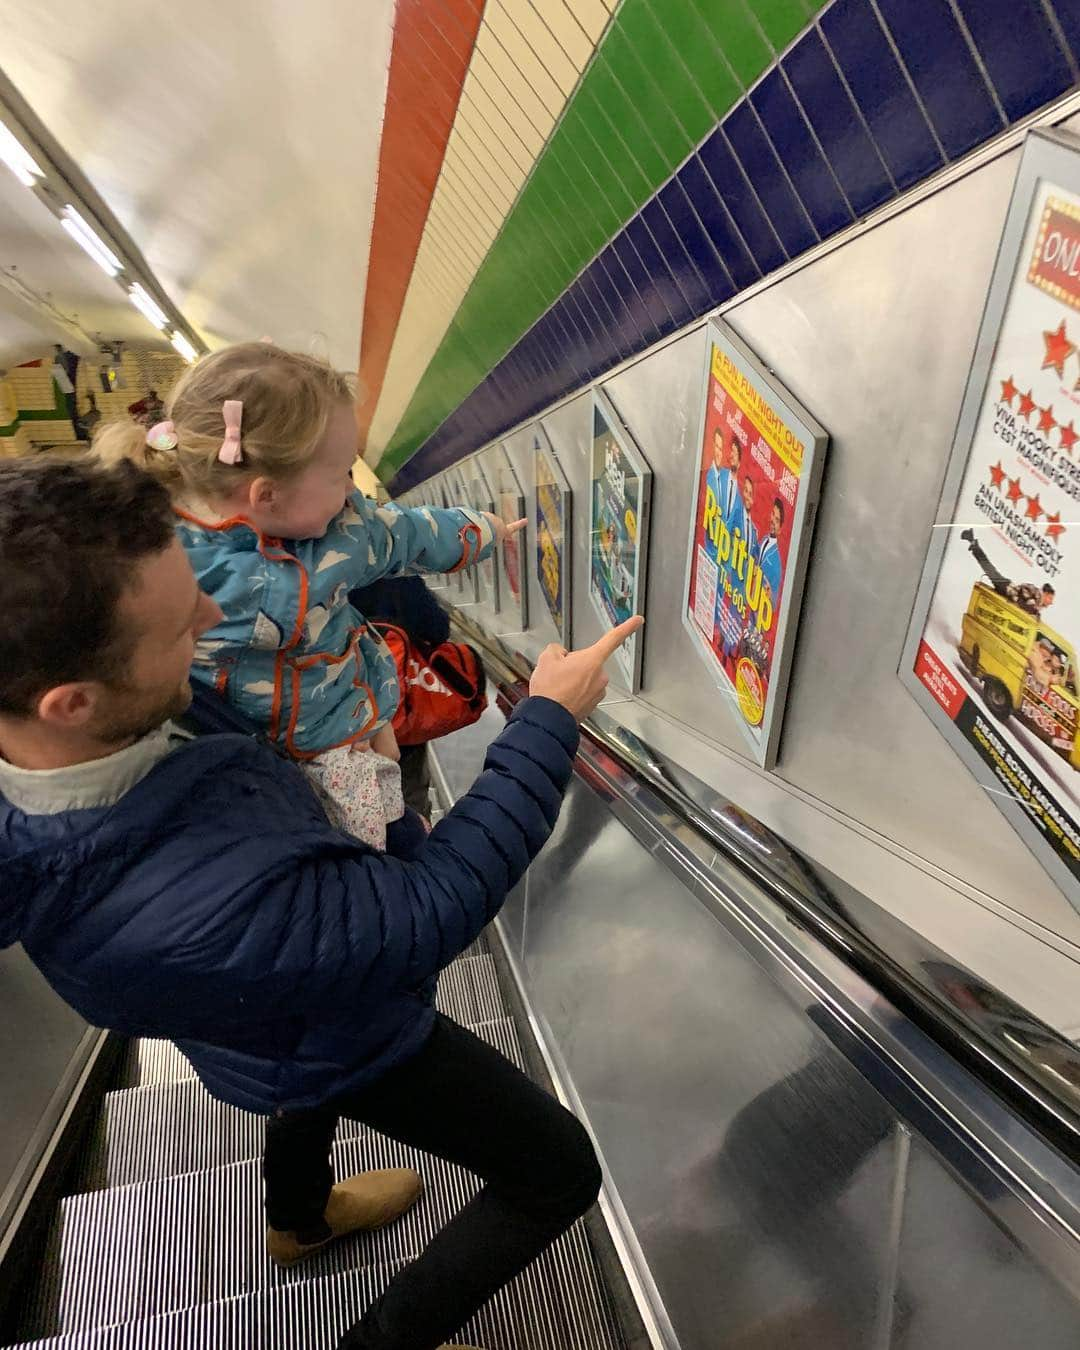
(287, 400)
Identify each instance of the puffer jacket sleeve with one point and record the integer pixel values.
(337, 930)
(371, 541)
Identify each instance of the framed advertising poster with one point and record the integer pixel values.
(510, 506)
(482, 498)
(760, 456)
(619, 496)
(553, 532)
(466, 579)
(991, 655)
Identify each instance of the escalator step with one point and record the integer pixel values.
(122, 1256)
(134, 1251)
(468, 992)
(557, 1304)
(168, 1129)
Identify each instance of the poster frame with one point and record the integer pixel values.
(542, 444)
(483, 499)
(762, 743)
(1054, 157)
(468, 584)
(628, 659)
(516, 608)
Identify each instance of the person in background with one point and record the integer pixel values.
(148, 410)
(407, 602)
(65, 369)
(88, 420)
(194, 889)
(1029, 596)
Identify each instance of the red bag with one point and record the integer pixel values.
(440, 693)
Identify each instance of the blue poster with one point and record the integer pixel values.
(618, 532)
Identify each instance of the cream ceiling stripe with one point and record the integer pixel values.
(528, 59)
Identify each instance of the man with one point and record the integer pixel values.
(768, 554)
(65, 370)
(1026, 594)
(729, 621)
(713, 476)
(750, 533)
(194, 890)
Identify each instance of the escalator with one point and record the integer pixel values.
(816, 1129)
(160, 1241)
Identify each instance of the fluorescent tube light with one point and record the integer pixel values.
(146, 305)
(183, 346)
(25, 168)
(88, 240)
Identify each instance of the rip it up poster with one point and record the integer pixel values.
(757, 473)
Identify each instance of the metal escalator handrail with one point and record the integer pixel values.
(1019, 1056)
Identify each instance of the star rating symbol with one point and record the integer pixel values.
(1014, 494)
(1008, 391)
(1054, 527)
(997, 475)
(1047, 421)
(1069, 436)
(1058, 349)
(1027, 405)
(1034, 508)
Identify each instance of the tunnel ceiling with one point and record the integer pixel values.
(236, 142)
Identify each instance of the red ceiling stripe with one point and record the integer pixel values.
(431, 51)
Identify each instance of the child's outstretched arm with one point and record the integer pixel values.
(370, 541)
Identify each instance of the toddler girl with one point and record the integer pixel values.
(258, 449)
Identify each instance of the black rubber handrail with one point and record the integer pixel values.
(1026, 1062)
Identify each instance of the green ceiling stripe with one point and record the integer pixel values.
(655, 88)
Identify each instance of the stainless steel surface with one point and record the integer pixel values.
(879, 350)
(755, 1098)
(754, 1164)
(964, 1281)
(44, 1048)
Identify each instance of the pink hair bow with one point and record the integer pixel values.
(162, 436)
(231, 451)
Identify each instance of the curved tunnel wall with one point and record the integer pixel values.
(607, 179)
(876, 338)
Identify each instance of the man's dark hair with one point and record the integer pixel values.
(736, 445)
(780, 507)
(71, 535)
(1049, 588)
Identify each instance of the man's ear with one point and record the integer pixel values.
(70, 707)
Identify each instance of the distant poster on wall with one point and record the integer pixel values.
(620, 492)
(466, 578)
(510, 506)
(553, 532)
(992, 652)
(483, 499)
(758, 474)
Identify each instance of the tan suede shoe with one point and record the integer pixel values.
(359, 1204)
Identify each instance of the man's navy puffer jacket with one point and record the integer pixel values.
(215, 906)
